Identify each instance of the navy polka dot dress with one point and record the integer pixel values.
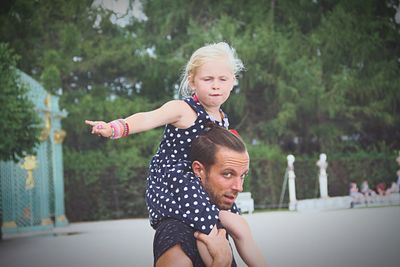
(172, 188)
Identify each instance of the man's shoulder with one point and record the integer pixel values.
(174, 229)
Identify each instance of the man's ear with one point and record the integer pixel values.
(197, 168)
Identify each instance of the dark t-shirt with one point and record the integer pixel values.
(170, 232)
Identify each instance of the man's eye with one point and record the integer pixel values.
(227, 174)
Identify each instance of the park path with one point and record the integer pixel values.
(340, 238)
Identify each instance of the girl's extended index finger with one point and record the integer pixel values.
(91, 123)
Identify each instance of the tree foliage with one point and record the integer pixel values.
(321, 76)
(19, 123)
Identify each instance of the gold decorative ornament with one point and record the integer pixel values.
(46, 221)
(61, 218)
(59, 136)
(30, 163)
(9, 224)
(47, 120)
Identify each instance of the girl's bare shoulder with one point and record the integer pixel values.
(187, 115)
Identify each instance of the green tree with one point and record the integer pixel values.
(360, 47)
(19, 122)
(321, 76)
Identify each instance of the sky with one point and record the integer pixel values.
(124, 10)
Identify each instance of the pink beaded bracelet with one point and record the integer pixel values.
(119, 128)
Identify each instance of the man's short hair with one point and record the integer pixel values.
(206, 145)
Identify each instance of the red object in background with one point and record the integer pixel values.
(234, 132)
(380, 188)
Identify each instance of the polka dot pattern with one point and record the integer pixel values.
(172, 188)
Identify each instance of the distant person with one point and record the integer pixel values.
(392, 189)
(398, 178)
(353, 190)
(381, 189)
(365, 190)
(355, 194)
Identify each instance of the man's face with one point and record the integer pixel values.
(224, 179)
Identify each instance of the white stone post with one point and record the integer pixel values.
(323, 177)
(292, 185)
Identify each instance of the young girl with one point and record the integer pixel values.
(207, 82)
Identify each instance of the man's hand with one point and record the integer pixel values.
(218, 247)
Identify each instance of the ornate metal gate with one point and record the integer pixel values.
(32, 190)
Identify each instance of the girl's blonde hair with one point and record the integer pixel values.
(204, 54)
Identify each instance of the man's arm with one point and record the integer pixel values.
(174, 257)
(216, 244)
(175, 245)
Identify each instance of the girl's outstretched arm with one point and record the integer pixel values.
(239, 229)
(175, 112)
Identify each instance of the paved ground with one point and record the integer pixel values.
(342, 238)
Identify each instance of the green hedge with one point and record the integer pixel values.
(268, 165)
(109, 183)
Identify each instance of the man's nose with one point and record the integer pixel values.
(238, 185)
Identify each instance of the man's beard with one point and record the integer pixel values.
(214, 197)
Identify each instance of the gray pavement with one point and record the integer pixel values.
(341, 238)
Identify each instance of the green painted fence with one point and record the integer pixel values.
(32, 190)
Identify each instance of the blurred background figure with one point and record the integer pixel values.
(381, 189)
(365, 190)
(394, 188)
(368, 193)
(357, 197)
